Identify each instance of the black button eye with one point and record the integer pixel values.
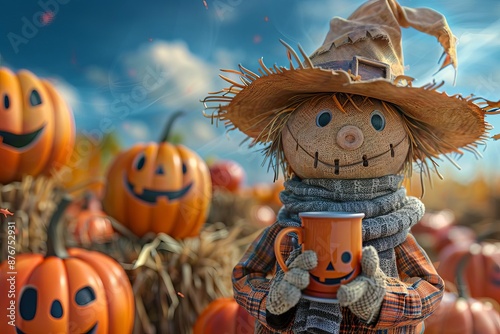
(346, 257)
(85, 296)
(140, 162)
(378, 120)
(6, 101)
(56, 309)
(184, 169)
(27, 305)
(324, 117)
(35, 98)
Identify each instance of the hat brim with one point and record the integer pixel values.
(456, 120)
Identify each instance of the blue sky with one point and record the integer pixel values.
(133, 63)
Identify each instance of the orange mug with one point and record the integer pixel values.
(337, 240)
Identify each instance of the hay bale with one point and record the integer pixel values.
(174, 280)
(33, 201)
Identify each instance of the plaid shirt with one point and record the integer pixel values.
(407, 302)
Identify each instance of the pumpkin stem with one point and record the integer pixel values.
(168, 128)
(462, 288)
(55, 231)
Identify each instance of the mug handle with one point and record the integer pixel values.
(277, 244)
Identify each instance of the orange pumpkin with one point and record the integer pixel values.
(65, 291)
(457, 313)
(482, 272)
(37, 130)
(460, 315)
(91, 224)
(224, 316)
(159, 187)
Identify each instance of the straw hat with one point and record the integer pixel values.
(361, 55)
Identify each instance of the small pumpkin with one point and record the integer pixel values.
(37, 131)
(482, 272)
(225, 316)
(91, 224)
(457, 313)
(65, 291)
(227, 175)
(159, 187)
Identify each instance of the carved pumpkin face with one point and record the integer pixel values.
(159, 188)
(36, 126)
(67, 291)
(322, 141)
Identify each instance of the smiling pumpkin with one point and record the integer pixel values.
(37, 129)
(73, 290)
(159, 187)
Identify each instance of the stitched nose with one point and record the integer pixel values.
(350, 137)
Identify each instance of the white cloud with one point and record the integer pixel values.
(68, 92)
(136, 131)
(171, 75)
(97, 75)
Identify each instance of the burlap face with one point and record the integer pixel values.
(366, 143)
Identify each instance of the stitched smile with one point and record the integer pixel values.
(336, 164)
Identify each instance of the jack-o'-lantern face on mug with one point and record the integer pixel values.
(36, 126)
(364, 140)
(339, 266)
(338, 253)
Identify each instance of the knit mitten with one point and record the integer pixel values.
(285, 289)
(364, 295)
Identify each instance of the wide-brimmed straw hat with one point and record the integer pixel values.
(361, 55)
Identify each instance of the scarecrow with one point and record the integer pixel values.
(345, 126)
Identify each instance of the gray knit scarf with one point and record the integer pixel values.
(389, 214)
